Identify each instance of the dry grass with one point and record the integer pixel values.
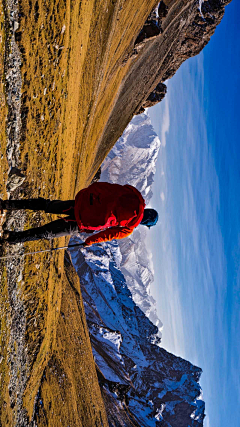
(73, 65)
(69, 389)
(4, 306)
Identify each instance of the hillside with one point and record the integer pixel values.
(72, 77)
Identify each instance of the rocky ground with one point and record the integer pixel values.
(72, 76)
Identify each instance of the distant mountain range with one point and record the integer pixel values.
(133, 161)
(142, 384)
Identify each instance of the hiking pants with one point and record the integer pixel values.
(60, 227)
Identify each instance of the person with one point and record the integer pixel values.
(110, 211)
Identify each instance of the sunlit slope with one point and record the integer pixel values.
(72, 67)
(69, 391)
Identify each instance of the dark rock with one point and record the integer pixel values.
(162, 10)
(15, 179)
(155, 96)
(97, 176)
(150, 30)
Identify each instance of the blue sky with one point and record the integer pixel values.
(196, 246)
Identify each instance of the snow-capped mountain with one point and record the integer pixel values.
(133, 158)
(133, 161)
(142, 384)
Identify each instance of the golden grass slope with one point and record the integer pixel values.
(73, 64)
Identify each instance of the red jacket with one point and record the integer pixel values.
(115, 209)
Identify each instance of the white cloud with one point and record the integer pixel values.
(162, 196)
(165, 123)
(206, 422)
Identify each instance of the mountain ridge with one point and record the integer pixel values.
(137, 377)
(133, 161)
(140, 381)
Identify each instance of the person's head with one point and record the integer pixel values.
(150, 217)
